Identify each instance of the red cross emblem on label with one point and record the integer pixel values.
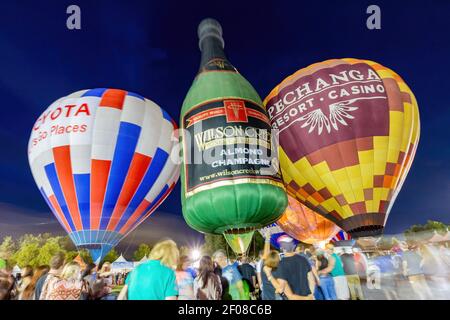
(235, 111)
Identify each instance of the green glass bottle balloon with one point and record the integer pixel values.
(231, 183)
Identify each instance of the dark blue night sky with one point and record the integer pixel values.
(150, 47)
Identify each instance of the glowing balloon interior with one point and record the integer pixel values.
(101, 159)
(305, 225)
(239, 242)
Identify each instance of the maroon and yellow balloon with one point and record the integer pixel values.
(305, 225)
(348, 133)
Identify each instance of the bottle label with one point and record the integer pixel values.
(218, 64)
(227, 142)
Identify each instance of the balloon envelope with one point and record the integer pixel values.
(304, 224)
(100, 158)
(228, 178)
(348, 132)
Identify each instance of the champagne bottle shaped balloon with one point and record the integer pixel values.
(230, 181)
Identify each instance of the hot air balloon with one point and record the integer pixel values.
(231, 184)
(276, 234)
(304, 224)
(341, 236)
(101, 159)
(348, 133)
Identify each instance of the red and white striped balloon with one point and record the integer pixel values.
(101, 159)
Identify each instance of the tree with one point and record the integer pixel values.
(27, 254)
(420, 232)
(51, 247)
(111, 256)
(70, 255)
(37, 250)
(256, 245)
(85, 255)
(142, 251)
(30, 238)
(28, 250)
(7, 248)
(214, 242)
(67, 244)
(430, 226)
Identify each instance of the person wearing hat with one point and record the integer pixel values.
(294, 275)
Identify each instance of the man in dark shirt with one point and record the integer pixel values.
(248, 273)
(294, 274)
(351, 273)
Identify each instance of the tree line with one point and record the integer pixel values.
(36, 250)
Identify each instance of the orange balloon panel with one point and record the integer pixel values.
(304, 224)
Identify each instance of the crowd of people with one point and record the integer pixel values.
(293, 273)
(60, 280)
